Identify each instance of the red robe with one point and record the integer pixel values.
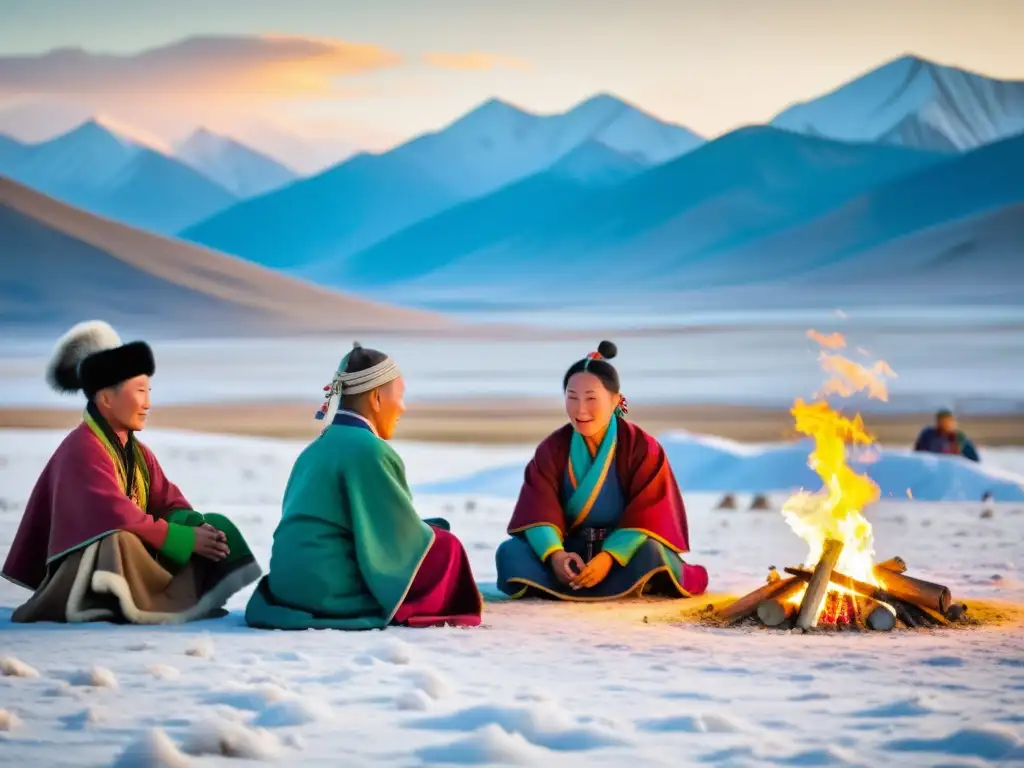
(653, 502)
(77, 500)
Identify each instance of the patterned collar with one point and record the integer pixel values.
(353, 419)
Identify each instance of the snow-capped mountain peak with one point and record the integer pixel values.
(232, 164)
(128, 134)
(497, 142)
(915, 102)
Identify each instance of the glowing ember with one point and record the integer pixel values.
(835, 512)
(838, 609)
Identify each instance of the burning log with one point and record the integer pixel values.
(775, 611)
(864, 590)
(893, 565)
(923, 617)
(923, 594)
(904, 609)
(745, 607)
(878, 616)
(817, 586)
(956, 612)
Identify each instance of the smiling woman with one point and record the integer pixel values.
(599, 515)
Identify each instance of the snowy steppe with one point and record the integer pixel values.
(538, 683)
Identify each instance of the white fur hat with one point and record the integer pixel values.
(91, 356)
(73, 347)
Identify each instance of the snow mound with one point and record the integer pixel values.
(154, 749)
(12, 667)
(294, 711)
(491, 745)
(414, 700)
(228, 739)
(202, 649)
(8, 720)
(249, 697)
(94, 677)
(706, 464)
(915, 706)
(81, 721)
(987, 743)
(163, 671)
(430, 682)
(544, 724)
(707, 723)
(392, 652)
(830, 755)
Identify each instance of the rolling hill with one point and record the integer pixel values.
(370, 197)
(914, 102)
(62, 265)
(738, 188)
(94, 168)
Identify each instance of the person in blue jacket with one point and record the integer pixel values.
(946, 437)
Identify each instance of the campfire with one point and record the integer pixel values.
(840, 586)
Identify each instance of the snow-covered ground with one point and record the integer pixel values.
(542, 684)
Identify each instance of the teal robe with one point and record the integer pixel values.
(349, 543)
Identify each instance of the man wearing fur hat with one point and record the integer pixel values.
(105, 535)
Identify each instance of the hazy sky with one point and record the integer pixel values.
(376, 71)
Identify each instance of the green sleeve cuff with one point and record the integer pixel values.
(623, 543)
(187, 517)
(544, 540)
(179, 544)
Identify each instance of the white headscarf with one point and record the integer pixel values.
(354, 383)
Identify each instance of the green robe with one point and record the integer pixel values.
(349, 543)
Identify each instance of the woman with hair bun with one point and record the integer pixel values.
(599, 515)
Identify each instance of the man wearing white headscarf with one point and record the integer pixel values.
(350, 551)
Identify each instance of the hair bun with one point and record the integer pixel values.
(607, 350)
(356, 345)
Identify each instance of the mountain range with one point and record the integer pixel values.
(885, 219)
(742, 186)
(367, 198)
(103, 168)
(914, 166)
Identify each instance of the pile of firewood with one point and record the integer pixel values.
(899, 601)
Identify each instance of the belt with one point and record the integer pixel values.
(592, 536)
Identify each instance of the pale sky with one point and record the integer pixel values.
(379, 71)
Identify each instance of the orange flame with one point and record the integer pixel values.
(836, 511)
(848, 378)
(832, 341)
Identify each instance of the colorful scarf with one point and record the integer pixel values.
(587, 473)
(140, 486)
